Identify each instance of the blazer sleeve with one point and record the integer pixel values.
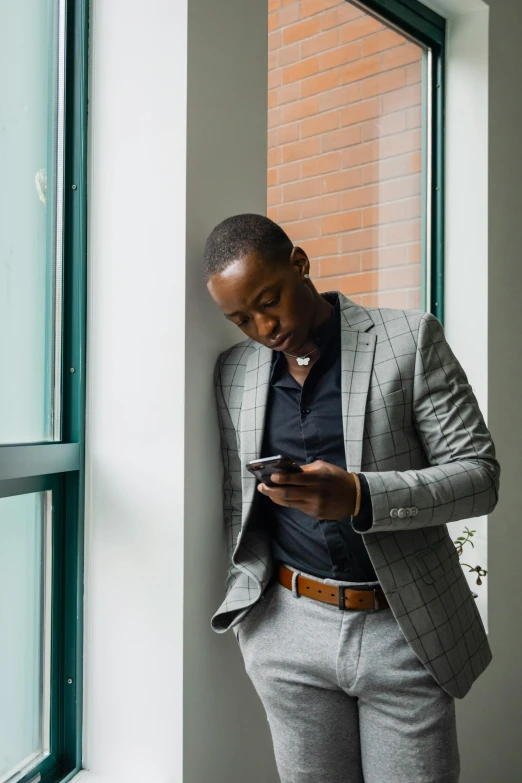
(232, 496)
(463, 478)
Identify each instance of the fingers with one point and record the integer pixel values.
(284, 496)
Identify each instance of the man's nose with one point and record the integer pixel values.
(266, 327)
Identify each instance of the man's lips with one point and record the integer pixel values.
(282, 342)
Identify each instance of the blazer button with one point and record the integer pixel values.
(414, 511)
(401, 513)
(408, 512)
(394, 513)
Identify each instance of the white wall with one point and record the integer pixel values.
(135, 392)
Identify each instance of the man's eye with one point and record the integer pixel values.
(273, 302)
(242, 323)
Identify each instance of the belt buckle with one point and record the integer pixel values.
(342, 599)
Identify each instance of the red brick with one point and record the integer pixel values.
(311, 7)
(403, 277)
(273, 5)
(379, 171)
(320, 43)
(323, 246)
(289, 173)
(401, 55)
(274, 78)
(271, 99)
(339, 139)
(396, 299)
(344, 221)
(272, 138)
(413, 208)
(314, 268)
(384, 213)
(273, 196)
(414, 253)
(274, 40)
(274, 117)
(271, 178)
(320, 206)
(288, 54)
(398, 233)
(288, 133)
(414, 117)
(288, 93)
(272, 60)
(289, 15)
(359, 112)
(414, 162)
(342, 15)
(383, 126)
(359, 240)
(384, 39)
(320, 124)
(300, 109)
(382, 83)
(401, 143)
(300, 70)
(359, 197)
(359, 154)
(305, 29)
(274, 157)
(340, 56)
(320, 84)
(322, 164)
(402, 99)
(341, 180)
(303, 229)
(360, 28)
(340, 97)
(357, 284)
(307, 188)
(383, 256)
(400, 188)
(288, 212)
(340, 265)
(272, 22)
(414, 73)
(300, 150)
(360, 69)
(271, 212)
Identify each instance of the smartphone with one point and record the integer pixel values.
(280, 463)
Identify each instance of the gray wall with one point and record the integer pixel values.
(490, 718)
(226, 737)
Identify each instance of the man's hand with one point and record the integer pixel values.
(322, 490)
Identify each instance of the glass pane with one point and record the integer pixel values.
(345, 137)
(25, 525)
(28, 215)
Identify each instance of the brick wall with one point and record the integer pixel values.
(344, 148)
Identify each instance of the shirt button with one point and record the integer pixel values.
(306, 410)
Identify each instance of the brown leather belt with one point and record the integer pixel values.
(344, 598)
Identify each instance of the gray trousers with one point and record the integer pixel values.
(347, 700)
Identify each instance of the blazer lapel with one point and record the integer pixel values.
(252, 420)
(357, 354)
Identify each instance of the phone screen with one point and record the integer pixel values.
(264, 468)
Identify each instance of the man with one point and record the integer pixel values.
(367, 630)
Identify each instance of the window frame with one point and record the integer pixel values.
(60, 466)
(412, 18)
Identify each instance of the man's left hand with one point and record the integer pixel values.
(322, 490)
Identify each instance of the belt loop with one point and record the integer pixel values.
(295, 575)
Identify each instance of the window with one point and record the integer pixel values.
(42, 350)
(355, 145)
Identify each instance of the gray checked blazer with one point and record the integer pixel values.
(412, 425)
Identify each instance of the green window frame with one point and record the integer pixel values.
(59, 466)
(412, 18)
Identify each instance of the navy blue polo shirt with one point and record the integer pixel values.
(305, 422)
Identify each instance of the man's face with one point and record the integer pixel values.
(270, 303)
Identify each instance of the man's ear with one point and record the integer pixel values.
(299, 259)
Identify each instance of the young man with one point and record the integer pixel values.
(367, 630)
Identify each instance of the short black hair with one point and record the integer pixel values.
(240, 235)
